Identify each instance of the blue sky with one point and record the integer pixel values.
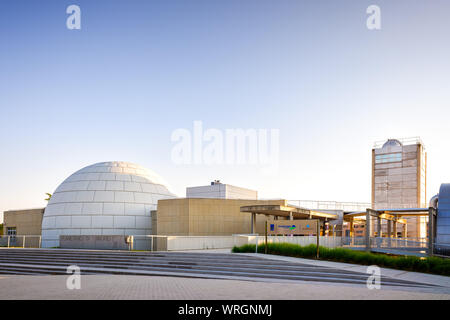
(138, 70)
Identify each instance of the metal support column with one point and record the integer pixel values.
(253, 230)
(389, 232)
(379, 227)
(389, 229)
(265, 239)
(394, 228)
(431, 230)
(352, 228)
(318, 237)
(367, 235)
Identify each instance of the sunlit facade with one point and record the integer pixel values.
(399, 179)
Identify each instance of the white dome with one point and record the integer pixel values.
(108, 198)
(392, 143)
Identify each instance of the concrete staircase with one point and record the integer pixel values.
(201, 265)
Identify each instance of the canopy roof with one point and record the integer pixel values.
(286, 211)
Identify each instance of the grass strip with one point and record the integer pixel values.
(433, 265)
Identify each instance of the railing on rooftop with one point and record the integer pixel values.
(404, 141)
(330, 205)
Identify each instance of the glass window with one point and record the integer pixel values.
(390, 157)
(11, 231)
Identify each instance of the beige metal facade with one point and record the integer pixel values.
(26, 222)
(209, 217)
(399, 180)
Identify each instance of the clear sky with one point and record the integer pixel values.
(138, 70)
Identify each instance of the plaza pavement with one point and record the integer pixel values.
(99, 287)
(111, 287)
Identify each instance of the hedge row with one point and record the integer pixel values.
(433, 265)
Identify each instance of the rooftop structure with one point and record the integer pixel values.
(398, 142)
(218, 190)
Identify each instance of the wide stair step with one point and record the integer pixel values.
(200, 265)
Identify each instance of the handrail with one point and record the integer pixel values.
(404, 141)
(24, 238)
(332, 205)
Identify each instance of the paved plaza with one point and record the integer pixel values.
(347, 280)
(155, 287)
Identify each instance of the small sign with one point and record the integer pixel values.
(294, 227)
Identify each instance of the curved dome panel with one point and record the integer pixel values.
(443, 220)
(392, 143)
(108, 198)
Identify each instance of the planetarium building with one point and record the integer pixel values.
(108, 198)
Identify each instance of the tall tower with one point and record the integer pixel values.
(399, 179)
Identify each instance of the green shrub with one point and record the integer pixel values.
(433, 265)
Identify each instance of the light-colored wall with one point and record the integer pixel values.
(233, 192)
(26, 222)
(208, 217)
(221, 191)
(212, 191)
(220, 242)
